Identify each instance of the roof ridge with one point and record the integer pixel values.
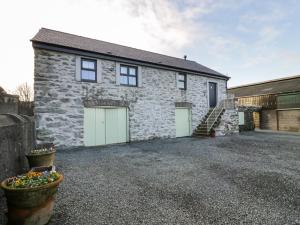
(267, 81)
(117, 44)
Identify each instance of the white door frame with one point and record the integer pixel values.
(217, 92)
(190, 118)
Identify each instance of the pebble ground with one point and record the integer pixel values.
(253, 178)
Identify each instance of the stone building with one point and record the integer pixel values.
(90, 92)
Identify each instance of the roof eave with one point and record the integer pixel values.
(265, 82)
(61, 48)
(273, 93)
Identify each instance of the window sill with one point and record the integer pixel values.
(124, 85)
(88, 81)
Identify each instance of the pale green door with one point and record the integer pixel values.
(105, 126)
(183, 122)
(116, 125)
(100, 126)
(89, 126)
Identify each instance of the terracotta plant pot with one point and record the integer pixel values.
(42, 155)
(41, 159)
(30, 205)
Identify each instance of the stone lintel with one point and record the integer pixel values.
(183, 104)
(105, 102)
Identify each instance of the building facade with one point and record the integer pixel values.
(84, 98)
(273, 105)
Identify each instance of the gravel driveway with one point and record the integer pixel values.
(253, 178)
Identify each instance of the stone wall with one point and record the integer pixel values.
(60, 99)
(8, 103)
(248, 117)
(229, 123)
(25, 108)
(16, 139)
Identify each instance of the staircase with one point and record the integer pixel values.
(211, 120)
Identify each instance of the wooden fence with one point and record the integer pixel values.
(264, 101)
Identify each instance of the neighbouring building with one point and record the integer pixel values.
(91, 92)
(8, 102)
(271, 105)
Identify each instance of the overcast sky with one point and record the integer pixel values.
(248, 40)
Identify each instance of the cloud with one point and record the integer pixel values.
(270, 12)
(263, 20)
(166, 27)
(268, 34)
(225, 35)
(158, 26)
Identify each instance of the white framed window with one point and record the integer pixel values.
(181, 81)
(128, 75)
(88, 70)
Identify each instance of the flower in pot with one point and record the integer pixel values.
(30, 197)
(42, 155)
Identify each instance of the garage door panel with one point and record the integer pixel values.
(89, 126)
(122, 124)
(100, 127)
(182, 121)
(105, 126)
(289, 120)
(116, 125)
(111, 116)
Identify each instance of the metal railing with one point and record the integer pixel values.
(213, 116)
(227, 103)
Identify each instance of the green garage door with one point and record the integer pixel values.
(183, 122)
(105, 126)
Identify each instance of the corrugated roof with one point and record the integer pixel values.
(278, 86)
(58, 38)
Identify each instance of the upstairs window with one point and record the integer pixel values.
(88, 70)
(128, 75)
(181, 81)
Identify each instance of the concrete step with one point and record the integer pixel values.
(200, 133)
(201, 129)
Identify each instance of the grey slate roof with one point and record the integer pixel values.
(278, 86)
(58, 38)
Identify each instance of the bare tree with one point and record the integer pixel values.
(25, 92)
